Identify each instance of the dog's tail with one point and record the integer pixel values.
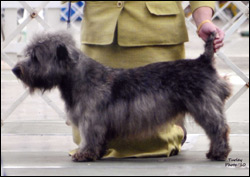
(209, 48)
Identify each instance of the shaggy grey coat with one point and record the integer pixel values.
(105, 103)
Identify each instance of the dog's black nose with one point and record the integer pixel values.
(17, 71)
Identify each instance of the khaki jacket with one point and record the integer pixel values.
(138, 23)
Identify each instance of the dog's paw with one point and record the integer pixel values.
(83, 157)
(218, 156)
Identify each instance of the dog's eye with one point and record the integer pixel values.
(34, 59)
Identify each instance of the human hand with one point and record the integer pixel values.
(207, 29)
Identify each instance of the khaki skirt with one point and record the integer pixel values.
(129, 57)
(168, 140)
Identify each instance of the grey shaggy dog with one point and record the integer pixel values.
(106, 103)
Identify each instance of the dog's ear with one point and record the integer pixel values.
(38, 55)
(62, 52)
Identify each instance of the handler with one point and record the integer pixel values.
(127, 34)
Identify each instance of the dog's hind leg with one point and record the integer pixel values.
(209, 115)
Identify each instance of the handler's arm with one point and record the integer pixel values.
(202, 17)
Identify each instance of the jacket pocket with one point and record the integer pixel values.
(163, 8)
(156, 23)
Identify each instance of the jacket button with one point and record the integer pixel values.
(119, 4)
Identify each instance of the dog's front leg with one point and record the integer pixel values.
(93, 141)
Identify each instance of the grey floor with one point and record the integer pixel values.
(36, 141)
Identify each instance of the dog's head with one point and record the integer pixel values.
(47, 59)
